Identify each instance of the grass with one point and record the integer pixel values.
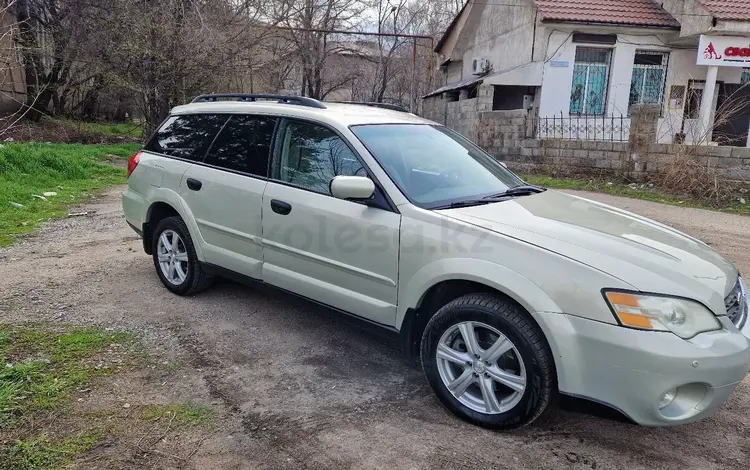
(117, 129)
(42, 366)
(183, 415)
(40, 454)
(70, 170)
(617, 189)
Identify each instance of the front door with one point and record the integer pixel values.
(225, 191)
(340, 253)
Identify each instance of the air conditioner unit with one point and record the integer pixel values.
(480, 66)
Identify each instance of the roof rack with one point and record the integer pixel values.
(392, 107)
(252, 97)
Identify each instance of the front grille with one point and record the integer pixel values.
(736, 305)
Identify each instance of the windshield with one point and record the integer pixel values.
(434, 166)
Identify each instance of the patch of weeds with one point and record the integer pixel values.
(39, 367)
(183, 415)
(40, 454)
(69, 170)
(118, 129)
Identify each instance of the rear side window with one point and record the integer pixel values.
(244, 145)
(187, 137)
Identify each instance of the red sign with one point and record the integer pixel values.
(737, 51)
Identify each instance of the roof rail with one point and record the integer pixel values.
(252, 97)
(392, 107)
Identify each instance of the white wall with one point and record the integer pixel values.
(556, 87)
(502, 32)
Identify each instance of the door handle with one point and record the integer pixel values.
(281, 207)
(194, 184)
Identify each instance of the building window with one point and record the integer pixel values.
(649, 75)
(745, 76)
(588, 94)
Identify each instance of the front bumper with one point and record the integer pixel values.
(631, 370)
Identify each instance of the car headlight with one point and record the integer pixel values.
(685, 318)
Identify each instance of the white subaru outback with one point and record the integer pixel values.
(509, 293)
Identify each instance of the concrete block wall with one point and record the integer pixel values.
(463, 115)
(582, 156)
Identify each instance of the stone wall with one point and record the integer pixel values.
(582, 156)
(459, 112)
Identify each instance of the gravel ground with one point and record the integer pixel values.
(298, 387)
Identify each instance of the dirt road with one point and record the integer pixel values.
(297, 387)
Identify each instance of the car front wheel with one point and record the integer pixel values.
(488, 362)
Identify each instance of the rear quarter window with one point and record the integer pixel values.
(187, 137)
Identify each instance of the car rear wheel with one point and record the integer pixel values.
(175, 260)
(488, 362)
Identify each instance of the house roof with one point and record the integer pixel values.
(728, 9)
(621, 12)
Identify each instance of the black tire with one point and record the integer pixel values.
(196, 280)
(512, 321)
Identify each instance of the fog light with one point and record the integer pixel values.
(667, 399)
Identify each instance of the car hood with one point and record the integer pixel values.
(648, 255)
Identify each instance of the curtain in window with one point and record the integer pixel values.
(578, 90)
(652, 86)
(596, 89)
(636, 86)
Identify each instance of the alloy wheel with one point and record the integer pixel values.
(173, 257)
(481, 368)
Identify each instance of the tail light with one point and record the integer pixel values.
(133, 162)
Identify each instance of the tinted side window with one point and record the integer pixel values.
(244, 145)
(187, 137)
(312, 155)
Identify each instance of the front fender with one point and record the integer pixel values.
(511, 283)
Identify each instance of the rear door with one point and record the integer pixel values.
(225, 193)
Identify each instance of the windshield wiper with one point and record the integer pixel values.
(473, 202)
(526, 190)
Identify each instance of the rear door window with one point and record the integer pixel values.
(244, 145)
(187, 137)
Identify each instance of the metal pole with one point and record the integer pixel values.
(414, 77)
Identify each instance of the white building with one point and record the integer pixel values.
(579, 65)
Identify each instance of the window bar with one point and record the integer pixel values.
(604, 127)
(594, 127)
(554, 132)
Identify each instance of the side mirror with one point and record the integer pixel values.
(352, 187)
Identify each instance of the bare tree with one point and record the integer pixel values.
(309, 20)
